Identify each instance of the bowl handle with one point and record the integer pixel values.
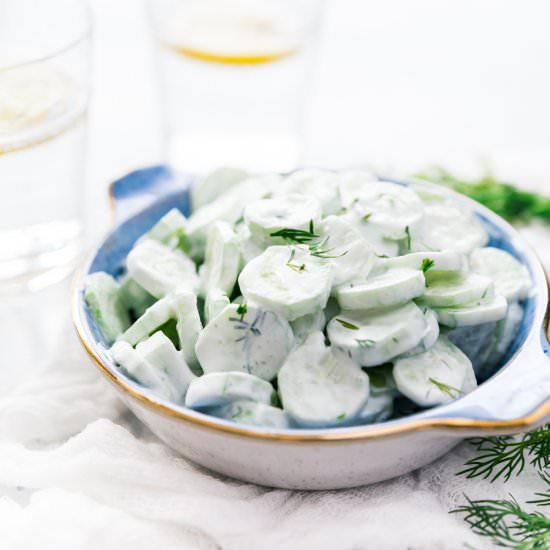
(140, 188)
(515, 399)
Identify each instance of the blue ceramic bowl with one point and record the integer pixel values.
(516, 398)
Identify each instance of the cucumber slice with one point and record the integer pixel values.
(171, 231)
(138, 368)
(435, 377)
(484, 311)
(101, 293)
(318, 184)
(222, 259)
(447, 227)
(431, 334)
(287, 280)
(445, 260)
(248, 249)
(304, 326)
(349, 254)
(228, 207)
(253, 414)
(476, 341)
(215, 184)
(160, 270)
(168, 362)
(216, 301)
(351, 185)
(384, 248)
(510, 277)
(374, 337)
(183, 308)
(134, 297)
(392, 287)
(320, 386)
(379, 408)
(393, 209)
(267, 216)
(451, 290)
(217, 389)
(245, 338)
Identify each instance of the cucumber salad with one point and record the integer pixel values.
(312, 300)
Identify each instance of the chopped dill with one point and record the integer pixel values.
(445, 388)
(427, 264)
(241, 310)
(347, 325)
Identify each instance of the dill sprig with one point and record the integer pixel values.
(513, 204)
(507, 523)
(445, 388)
(346, 324)
(427, 264)
(543, 499)
(321, 251)
(241, 310)
(296, 236)
(295, 267)
(506, 455)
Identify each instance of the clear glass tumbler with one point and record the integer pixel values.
(44, 88)
(234, 75)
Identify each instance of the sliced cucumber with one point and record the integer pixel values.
(428, 261)
(267, 216)
(374, 337)
(510, 277)
(253, 414)
(215, 184)
(349, 253)
(222, 259)
(304, 326)
(451, 290)
(216, 301)
(153, 318)
(188, 324)
(431, 334)
(484, 311)
(101, 293)
(321, 387)
(138, 368)
(217, 389)
(435, 377)
(392, 287)
(134, 297)
(383, 248)
(379, 408)
(228, 207)
(476, 341)
(447, 227)
(287, 280)
(248, 249)
(393, 209)
(168, 362)
(245, 338)
(160, 270)
(171, 231)
(351, 186)
(319, 184)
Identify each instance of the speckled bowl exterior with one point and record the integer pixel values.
(516, 398)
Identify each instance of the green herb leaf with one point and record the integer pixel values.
(341, 416)
(347, 325)
(241, 310)
(296, 236)
(408, 238)
(445, 388)
(427, 264)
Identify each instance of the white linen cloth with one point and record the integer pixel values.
(78, 471)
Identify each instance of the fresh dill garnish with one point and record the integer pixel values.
(507, 523)
(408, 238)
(365, 342)
(445, 388)
(366, 216)
(241, 310)
(341, 416)
(347, 325)
(296, 236)
(427, 264)
(507, 455)
(319, 250)
(295, 267)
(513, 204)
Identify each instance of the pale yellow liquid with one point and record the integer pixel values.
(42, 126)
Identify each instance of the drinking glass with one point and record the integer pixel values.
(44, 88)
(234, 75)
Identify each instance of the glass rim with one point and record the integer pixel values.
(84, 35)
